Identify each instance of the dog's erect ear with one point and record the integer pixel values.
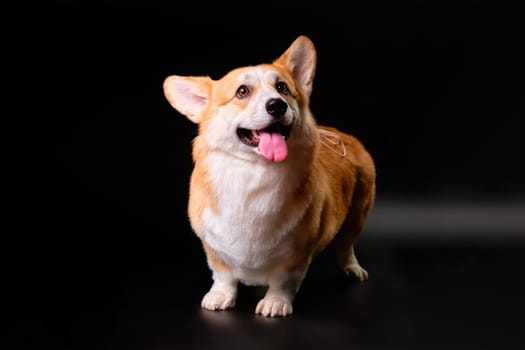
(300, 59)
(188, 95)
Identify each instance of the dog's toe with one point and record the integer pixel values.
(274, 307)
(216, 300)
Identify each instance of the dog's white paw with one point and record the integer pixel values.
(356, 271)
(217, 300)
(274, 306)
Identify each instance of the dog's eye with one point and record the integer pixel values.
(242, 91)
(282, 88)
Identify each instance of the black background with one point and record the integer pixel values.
(97, 163)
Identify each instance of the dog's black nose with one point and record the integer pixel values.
(276, 107)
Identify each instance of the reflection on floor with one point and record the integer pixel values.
(448, 219)
(439, 292)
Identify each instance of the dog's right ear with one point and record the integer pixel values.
(188, 95)
(300, 59)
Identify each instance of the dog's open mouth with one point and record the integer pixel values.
(252, 137)
(271, 140)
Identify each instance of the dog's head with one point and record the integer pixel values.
(254, 110)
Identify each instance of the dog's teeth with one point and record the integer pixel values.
(256, 136)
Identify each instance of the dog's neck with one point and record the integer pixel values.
(258, 183)
(254, 180)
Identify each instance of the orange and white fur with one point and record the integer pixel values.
(270, 188)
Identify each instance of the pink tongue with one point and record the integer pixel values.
(273, 146)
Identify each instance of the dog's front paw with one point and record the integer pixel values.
(274, 306)
(217, 300)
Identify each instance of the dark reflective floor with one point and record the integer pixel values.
(421, 295)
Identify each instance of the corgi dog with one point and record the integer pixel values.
(270, 188)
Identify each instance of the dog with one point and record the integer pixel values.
(270, 188)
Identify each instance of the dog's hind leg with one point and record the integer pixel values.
(351, 229)
(349, 264)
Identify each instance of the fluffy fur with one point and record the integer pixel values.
(270, 188)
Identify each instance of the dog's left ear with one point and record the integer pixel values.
(300, 59)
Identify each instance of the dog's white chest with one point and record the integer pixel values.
(250, 229)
